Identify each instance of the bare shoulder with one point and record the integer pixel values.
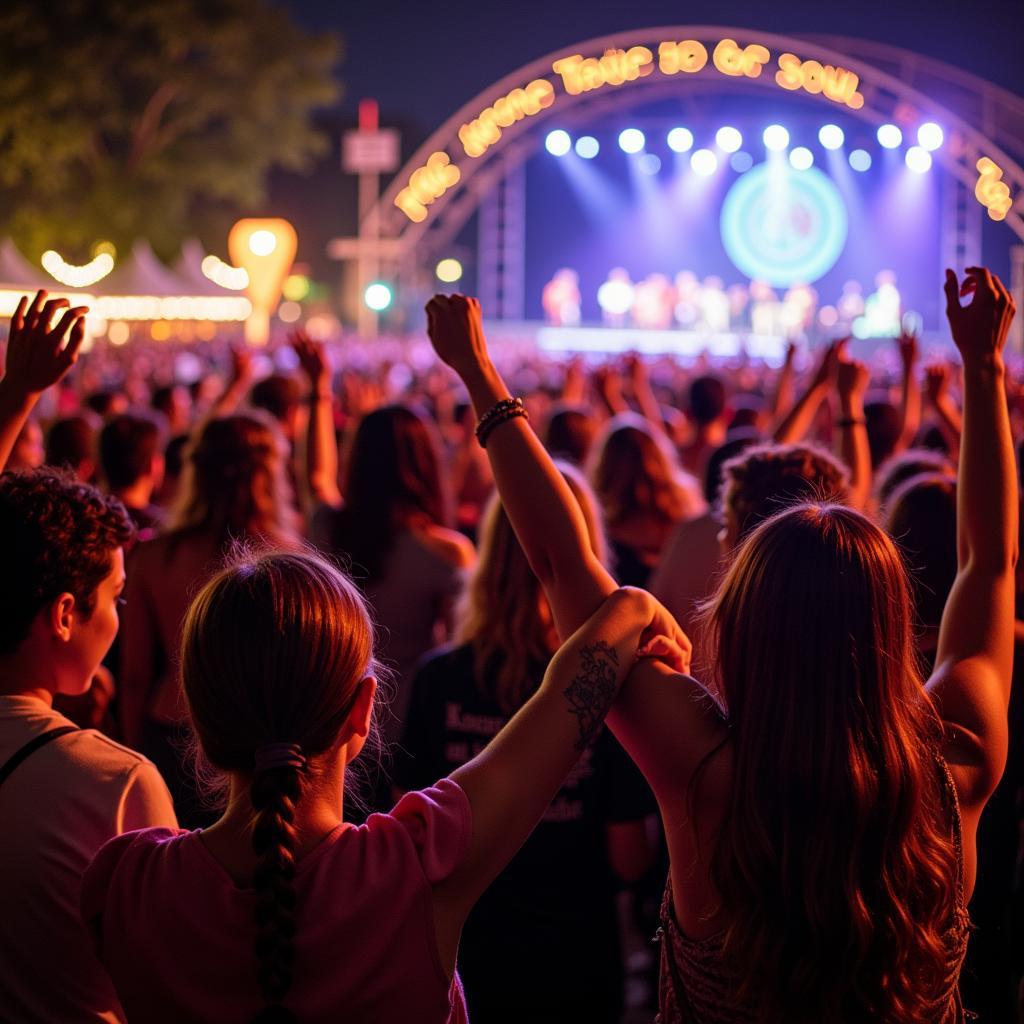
(449, 545)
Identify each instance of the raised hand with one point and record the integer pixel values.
(241, 363)
(909, 348)
(312, 359)
(980, 328)
(40, 352)
(456, 330)
(830, 359)
(936, 382)
(852, 379)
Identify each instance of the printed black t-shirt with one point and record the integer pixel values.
(552, 910)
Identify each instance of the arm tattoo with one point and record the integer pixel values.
(591, 693)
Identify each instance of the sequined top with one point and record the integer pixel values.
(695, 985)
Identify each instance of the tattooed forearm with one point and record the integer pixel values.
(592, 691)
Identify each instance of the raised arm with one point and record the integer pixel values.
(643, 394)
(910, 405)
(798, 420)
(543, 512)
(974, 661)
(321, 445)
(511, 782)
(236, 390)
(782, 399)
(950, 420)
(851, 383)
(39, 353)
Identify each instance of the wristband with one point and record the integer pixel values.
(503, 411)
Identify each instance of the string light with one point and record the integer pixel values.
(223, 274)
(77, 276)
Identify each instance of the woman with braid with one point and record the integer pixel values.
(820, 800)
(282, 911)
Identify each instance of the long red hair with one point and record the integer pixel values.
(835, 864)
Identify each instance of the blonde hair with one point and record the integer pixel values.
(504, 610)
(634, 471)
(234, 483)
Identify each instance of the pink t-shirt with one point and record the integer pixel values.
(176, 934)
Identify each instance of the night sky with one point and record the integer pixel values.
(423, 60)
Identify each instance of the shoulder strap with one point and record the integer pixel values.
(31, 747)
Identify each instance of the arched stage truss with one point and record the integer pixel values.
(475, 160)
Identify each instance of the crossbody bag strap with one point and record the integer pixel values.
(31, 747)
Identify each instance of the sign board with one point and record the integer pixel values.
(370, 152)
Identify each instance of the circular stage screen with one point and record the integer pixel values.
(783, 226)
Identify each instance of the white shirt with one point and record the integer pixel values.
(57, 809)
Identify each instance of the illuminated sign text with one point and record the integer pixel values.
(688, 56)
(836, 84)
(482, 132)
(581, 74)
(991, 191)
(426, 184)
(745, 61)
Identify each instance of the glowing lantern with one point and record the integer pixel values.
(265, 248)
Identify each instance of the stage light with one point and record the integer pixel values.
(680, 140)
(587, 147)
(831, 136)
(741, 162)
(775, 137)
(918, 159)
(631, 140)
(377, 296)
(860, 159)
(558, 142)
(728, 139)
(650, 164)
(801, 158)
(889, 136)
(449, 271)
(930, 136)
(704, 163)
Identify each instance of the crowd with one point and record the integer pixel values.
(388, 684)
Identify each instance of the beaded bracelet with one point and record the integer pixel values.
(502, 412)
(497, 410)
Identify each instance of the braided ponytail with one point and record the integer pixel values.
(274, 794)
(273, 650)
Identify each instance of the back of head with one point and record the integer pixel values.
(234, 483)
(279, 395)
(633, 472)
(899, 468)
(392, 480)
(883, 426)
(71, 442)
(56, 536)
(707, 400)
(273, 650)
(128, 445)
(505, 612)
(920, 516)
(835, 863)
(766, 478)
(570, 433)
(106, 402)
(738, 439)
